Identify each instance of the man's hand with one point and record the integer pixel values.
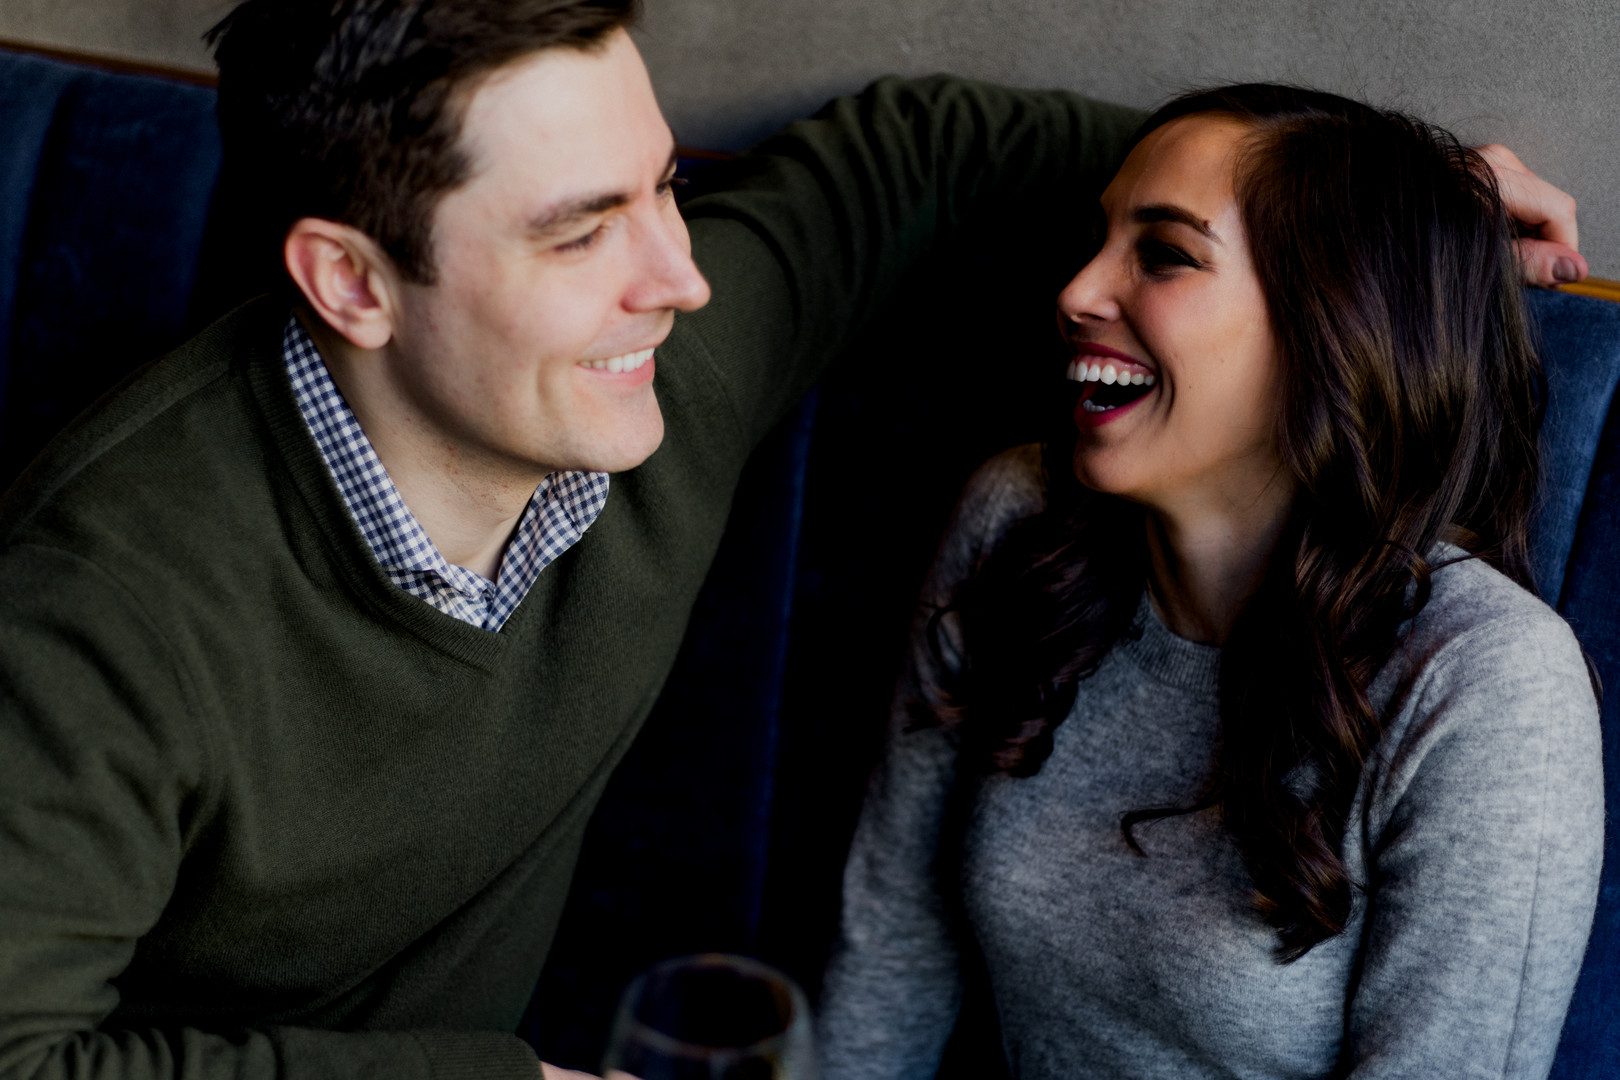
(1547, 254)
(551, 1072)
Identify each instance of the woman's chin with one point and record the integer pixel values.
(1103, 472)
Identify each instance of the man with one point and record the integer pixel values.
(319, 641)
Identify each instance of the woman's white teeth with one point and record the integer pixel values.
(1108, 376)
(627, 362)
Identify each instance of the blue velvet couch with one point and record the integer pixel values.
(726, 826)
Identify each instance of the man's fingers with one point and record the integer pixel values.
(551, 1072)
(1547, 262)
(1532, 201)
(1500, 157)
(1548, 256)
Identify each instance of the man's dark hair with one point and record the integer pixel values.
(351, 110)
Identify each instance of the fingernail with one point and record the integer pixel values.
(1566, 270)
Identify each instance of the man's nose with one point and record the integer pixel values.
(667, 277)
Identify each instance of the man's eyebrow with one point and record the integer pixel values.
(1157, 212)
(558, 218)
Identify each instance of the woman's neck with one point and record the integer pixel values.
(1204, 563)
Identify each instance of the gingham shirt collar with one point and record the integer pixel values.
(561, 509)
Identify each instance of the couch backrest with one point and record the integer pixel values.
(105, 186)
(1581, 341)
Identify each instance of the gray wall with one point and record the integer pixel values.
(167, 32)
(1542, 77)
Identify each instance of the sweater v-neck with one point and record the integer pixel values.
(341, 541)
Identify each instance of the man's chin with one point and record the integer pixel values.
(627, 451)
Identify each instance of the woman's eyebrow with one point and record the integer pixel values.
(1157, 212)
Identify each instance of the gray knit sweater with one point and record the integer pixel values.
(1476, 831)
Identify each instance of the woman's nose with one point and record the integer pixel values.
(1092, 293)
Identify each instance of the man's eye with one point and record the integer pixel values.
(585, 242)
(668, 186)
(1159, 257)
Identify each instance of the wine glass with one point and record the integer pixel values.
(711, 1017)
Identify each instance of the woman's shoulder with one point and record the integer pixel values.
(1484, 644)
(1474, 605)
(1004, 490)
(1001, 491)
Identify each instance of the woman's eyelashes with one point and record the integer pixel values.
(1159, 258)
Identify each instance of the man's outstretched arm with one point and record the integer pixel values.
(810, 233)
(814, 229)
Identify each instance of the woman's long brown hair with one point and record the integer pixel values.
(1411, 408)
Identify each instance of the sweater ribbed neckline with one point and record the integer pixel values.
(1172, 660)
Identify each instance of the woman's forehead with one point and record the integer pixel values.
(1188, 163)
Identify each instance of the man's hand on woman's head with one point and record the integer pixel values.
(1547, 254)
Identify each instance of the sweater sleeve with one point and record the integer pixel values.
(893, 986)
(1486, 829)
(816, 226)
(106, 786)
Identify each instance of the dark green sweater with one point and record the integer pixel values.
(263, 814)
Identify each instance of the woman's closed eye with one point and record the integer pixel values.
(1159, 258)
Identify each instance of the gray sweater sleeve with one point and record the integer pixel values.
(893, 986)
(1484, 816)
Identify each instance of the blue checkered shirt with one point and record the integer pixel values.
(561, 509)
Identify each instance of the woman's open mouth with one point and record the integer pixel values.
(1107, 387)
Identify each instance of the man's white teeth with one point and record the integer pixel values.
(1108, 376)
(616, 364)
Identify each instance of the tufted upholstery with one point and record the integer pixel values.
(1580, 339)
(105, 184)
(726, 825)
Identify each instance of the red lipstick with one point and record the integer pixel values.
(1089, 348)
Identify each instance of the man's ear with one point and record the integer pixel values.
(345, 277)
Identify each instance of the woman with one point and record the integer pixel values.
(1236, 742)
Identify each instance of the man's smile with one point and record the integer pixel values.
(617, 364)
